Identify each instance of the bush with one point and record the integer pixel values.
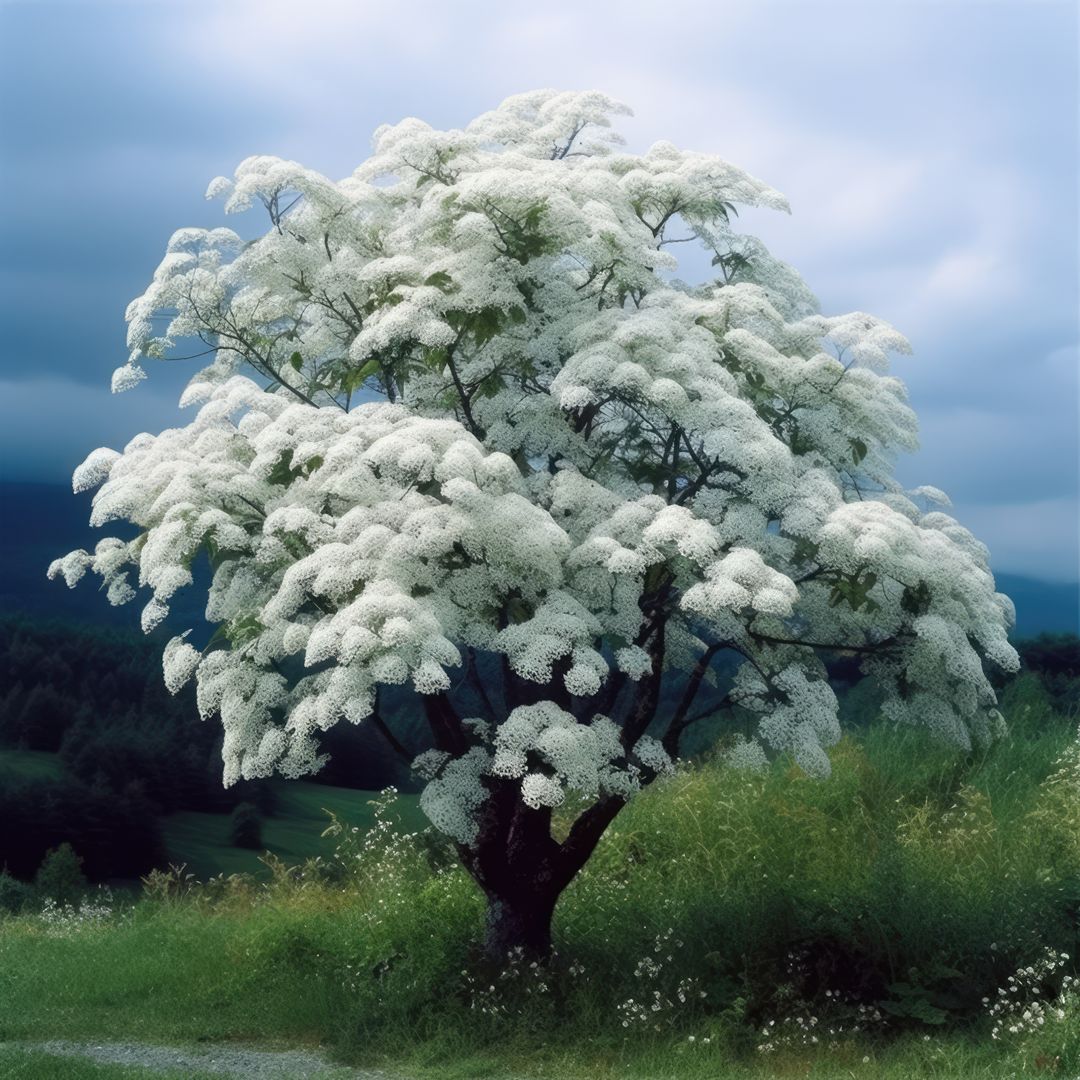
(60, 876)
(15, 895)
(245, 827)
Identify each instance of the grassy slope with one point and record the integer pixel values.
(185, 978)
(201, 841)
(29, 764)
(908, 852)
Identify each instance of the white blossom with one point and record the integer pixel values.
(569, 452)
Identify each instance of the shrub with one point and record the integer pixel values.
(15, 895)
(245, 827)
(60, 877)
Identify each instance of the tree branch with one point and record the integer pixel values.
(391, 738)
(445, 724)
(835, 646)
(678, 720)
(638, 722)
(585, 834)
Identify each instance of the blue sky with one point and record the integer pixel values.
(929, 152)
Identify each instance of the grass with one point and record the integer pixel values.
(909, 886)
(29, 765)
(293, 833)
(201, 840)
(907, 1059)
(18, 1063)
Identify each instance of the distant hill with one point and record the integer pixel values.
(1041, 606)
(43, 521)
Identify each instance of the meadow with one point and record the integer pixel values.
(913, 916)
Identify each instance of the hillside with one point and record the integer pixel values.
(200, 841)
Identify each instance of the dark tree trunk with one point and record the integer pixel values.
(522, 923)
(516, 863)
(523, 870)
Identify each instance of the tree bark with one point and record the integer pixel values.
(523, 871)
(521, 923)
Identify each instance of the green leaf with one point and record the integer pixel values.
(805, 550)
(435, 359)
(243, 630)
(915, 601)
(283, 473)
(440, 279)
(356, 378)
(491, 385)
(854, 590)
(486, 323)
(858, 449)
(533, 215)
(915, 1002)
(297, 361)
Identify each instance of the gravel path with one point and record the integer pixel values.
(221, 1058)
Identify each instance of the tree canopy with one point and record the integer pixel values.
(464, 430)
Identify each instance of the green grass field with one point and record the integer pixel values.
(731, 926)
(200, 841)
(293, 833)
(29, 764)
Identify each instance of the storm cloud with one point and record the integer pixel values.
(929, 152)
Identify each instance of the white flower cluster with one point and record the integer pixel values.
(1041, 993)
(798, 713)
(452, 798)
(552, 752)
(573, 449)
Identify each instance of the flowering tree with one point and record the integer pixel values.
(578, 483)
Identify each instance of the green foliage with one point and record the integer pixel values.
(915, 599)
(245, 827)
(117, 834)
(922, 999)
(15, 895)
(854, 590)
(283, 472)
(1055, 659)
(913, 882)
(60, 876)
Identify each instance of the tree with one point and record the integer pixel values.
(462, 432)
(245, 826)
(60, 875)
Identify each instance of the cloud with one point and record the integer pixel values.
(929, 156)
(993, 455)
(1037, 539)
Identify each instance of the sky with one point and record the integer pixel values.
(928, 150)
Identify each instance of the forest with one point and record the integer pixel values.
(95, 752)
